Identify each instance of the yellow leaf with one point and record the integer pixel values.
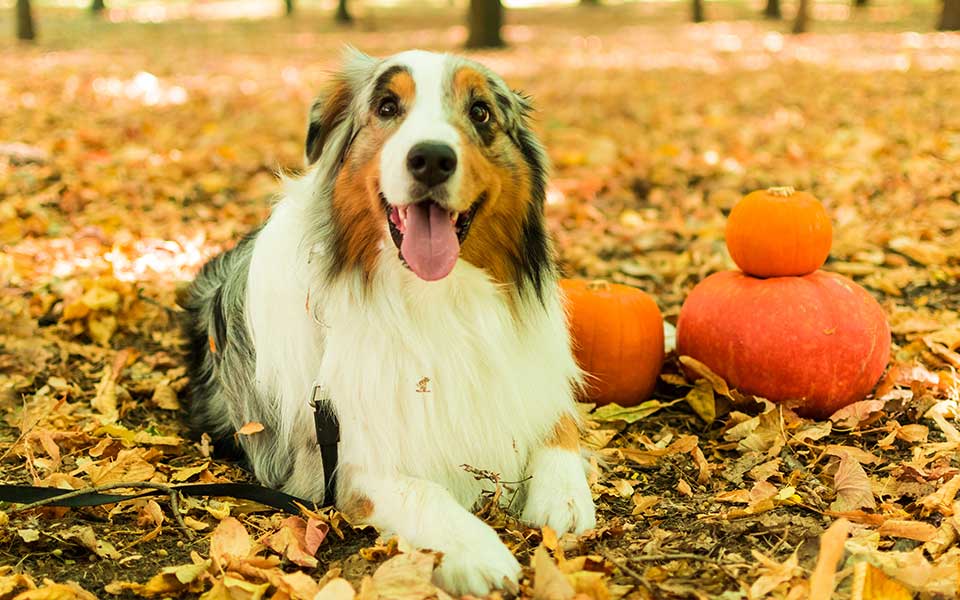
(701, 400)
(870, 583)
(549, 583)
(165, 397)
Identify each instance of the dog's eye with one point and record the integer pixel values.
(388, 108)
(479, 113)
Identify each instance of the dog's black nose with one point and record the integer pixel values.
(431, 163)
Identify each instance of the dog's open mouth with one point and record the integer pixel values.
(428, 235)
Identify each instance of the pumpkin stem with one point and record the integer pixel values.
(782, 191)
(598, 284)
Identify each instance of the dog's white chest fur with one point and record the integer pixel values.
(444, 372)
(425, 377)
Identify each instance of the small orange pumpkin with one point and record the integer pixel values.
(617, 336)
(779, 232)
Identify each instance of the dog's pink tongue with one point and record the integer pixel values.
(430, 244)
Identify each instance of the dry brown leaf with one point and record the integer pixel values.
(250, 428)
(406, 576)
(129, 465)
(822, 580)
(85, 536)
(229, 541)
(549, 583)
(914, 530)
(853, 415)
(716, 382)
(852, 486)
(165, 397)
(290, 541)
(56, 591)
(336, 589)
(774, 574)
(701, 399)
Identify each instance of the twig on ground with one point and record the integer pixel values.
(629, 571)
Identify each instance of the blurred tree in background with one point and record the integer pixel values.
(484, 19)
(97, 7)
(800, 21)
(697, 11)
(772, 10)
(25, 29)
(342, 15)
(950, 17)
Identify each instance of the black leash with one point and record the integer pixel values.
(328, 438)
(28, 494)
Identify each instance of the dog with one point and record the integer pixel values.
(408, 271)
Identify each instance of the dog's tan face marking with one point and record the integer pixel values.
(356, 205)
(494, 169)
(356, 197)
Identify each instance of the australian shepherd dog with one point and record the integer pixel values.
(408, 272)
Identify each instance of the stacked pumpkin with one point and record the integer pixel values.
(781, 328)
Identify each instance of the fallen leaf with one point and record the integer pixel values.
(914, 530)
(229, 541)
(336, 589)
(870, 583)
(630, 414)
(823, 578)
(852, 486)
(701, 400)
(549, 583)
(250, 428)
(406, 576)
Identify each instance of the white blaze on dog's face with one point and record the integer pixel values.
(441, 162)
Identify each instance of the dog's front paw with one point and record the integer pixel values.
(477, 564)
(559, 495)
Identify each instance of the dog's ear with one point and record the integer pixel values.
(332, 106)
(328, 110)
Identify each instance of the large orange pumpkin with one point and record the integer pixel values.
(617, 336)
(817, 342)
(779, 232)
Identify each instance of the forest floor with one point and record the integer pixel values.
(151, 146)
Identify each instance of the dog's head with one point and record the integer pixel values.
(433, 152)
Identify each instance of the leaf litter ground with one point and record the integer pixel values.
(130, 152)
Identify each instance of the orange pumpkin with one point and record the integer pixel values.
(817, 342)
(779, 232)
(617, 336)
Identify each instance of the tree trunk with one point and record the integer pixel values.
(800, 22)
(950, 17)
(698, 11)
(288, 4)
(860, 3)
(97, 6)
(485, 18)
(589, 2)
(343, 15)
(25, 30)
(772, 11)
